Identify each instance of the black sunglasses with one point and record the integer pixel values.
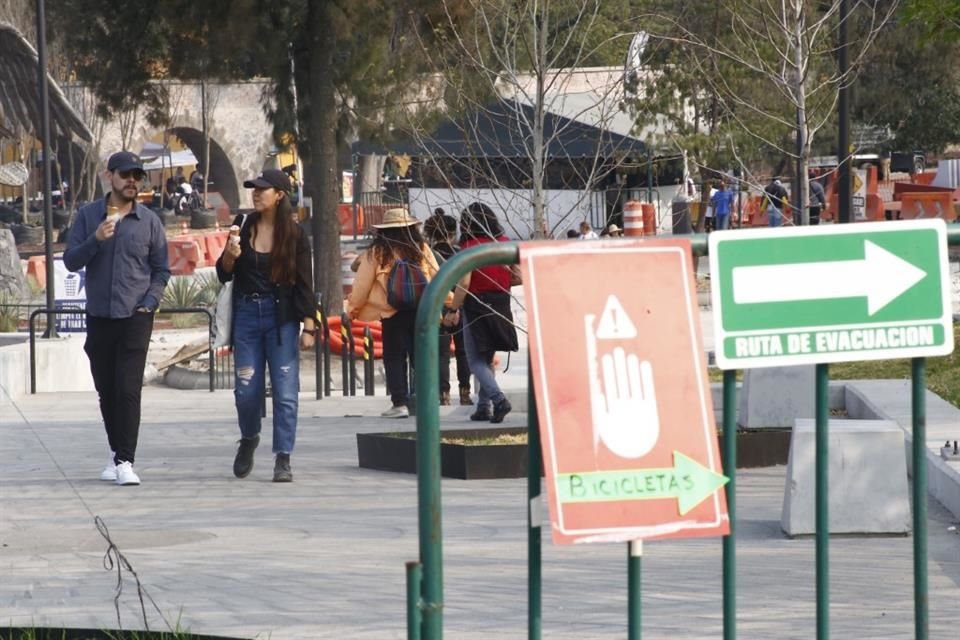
(136, 173)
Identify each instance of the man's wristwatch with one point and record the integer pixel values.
(310, 332)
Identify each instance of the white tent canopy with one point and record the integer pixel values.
(155, 157)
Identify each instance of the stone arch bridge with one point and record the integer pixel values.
(240, 136)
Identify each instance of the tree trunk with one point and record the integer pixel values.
(800, 189)
(322, 169)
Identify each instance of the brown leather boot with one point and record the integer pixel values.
(444, 398)
(465, 400)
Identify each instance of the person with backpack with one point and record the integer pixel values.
(483, 299)
(441, 232)
(390, 280)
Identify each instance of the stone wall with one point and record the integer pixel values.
(12, 281)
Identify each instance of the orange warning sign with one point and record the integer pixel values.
(629, 439)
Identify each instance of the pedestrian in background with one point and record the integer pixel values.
(441, 232)
(818, 198)
(722, 202)
(272, 273)
(123, 246)
(483, 302)
(587, 232)
(396, 239)
(776, 196)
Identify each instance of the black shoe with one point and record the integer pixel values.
(500, 411)
(281, 468)
(243, 463)
(481, 415)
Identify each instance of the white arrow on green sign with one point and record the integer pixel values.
(830, 293)
(687, 481)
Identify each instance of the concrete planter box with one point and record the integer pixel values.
(398, 452)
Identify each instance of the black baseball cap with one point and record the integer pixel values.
(124, 161)
(270, 179)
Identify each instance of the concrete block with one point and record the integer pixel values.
(776, 396)
(866, 474)
(13, 362)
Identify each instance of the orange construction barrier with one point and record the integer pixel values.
(213, 244)
(916, 205)
(345, 216)
(338, 336)
(632, 218)
(185, 255)
(37, 271)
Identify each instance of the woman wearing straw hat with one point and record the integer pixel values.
(397, 238)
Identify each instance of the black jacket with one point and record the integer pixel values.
(294, 302)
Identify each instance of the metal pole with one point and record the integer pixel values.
(534, 551)
(44, 97)
(634, 556)
(321, 344)
(730, 541)
(919, 415)
(822, 412)
(345, 352)
(427, 341)
(353, 359)
(649, 177)
(843, 143)
(414, 619)
(368, 356)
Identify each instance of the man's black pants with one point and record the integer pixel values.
(117, 349)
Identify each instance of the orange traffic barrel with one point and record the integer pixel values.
(632, 218)
(649, 219)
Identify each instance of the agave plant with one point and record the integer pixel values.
(9, 312)
(184, 292)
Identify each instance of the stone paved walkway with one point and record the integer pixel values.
(324, 557)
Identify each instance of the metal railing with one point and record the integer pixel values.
(80, 312)
(425, 601)
(221, 374)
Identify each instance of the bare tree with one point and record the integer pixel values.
(514, 68)
(767, 69)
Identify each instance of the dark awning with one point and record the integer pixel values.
(503, 130)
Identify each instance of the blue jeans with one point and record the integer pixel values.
(481, 366)
(774, 216)
(258, 342)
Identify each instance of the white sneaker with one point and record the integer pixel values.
(126, 475)
(109, 473)
(396, 412)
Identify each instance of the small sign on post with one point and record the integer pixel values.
(629, 438)
(833, 293)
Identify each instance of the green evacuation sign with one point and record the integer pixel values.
(833, 293)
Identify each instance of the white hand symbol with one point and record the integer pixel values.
(622, 399)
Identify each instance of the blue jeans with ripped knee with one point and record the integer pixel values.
(259, 343)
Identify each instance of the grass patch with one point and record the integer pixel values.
(495, 439)
(943, 374)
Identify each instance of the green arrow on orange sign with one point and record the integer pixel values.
(687, 481)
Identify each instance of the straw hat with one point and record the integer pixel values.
(614, 229)
(396, 218)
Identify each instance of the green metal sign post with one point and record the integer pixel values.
(835, 293)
